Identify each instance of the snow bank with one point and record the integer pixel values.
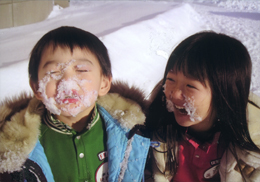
(139, 35)
(139, 52)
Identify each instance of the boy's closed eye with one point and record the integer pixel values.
(82, 68)
(55, 72)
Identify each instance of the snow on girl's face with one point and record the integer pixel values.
(188, 108)
(69, 83)
(189, 100)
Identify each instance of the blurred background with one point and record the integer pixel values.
(21, 12)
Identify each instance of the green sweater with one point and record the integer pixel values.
(75, 157)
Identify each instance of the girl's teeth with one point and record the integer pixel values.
(182, 110)
(179, 107)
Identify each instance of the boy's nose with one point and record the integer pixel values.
(67, 75)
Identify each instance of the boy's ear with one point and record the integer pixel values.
(105, 85)
(34, 87)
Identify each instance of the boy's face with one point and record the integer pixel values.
(69, 83)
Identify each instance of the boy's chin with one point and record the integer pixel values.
(71, 111)
(74, 110)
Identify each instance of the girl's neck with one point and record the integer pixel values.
(203, 136)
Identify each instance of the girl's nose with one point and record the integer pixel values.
(177, 93)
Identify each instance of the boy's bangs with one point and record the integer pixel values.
(71, 38)
(65, 43)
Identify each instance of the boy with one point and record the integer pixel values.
(84, 132)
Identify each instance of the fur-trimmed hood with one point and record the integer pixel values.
(20, 120)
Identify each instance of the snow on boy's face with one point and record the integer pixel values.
(69, 83)
(189, 100)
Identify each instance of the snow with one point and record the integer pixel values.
(67, 89)
(139, 36)
(191, 109)
(188, 105)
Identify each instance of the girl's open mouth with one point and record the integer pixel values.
(181, 110)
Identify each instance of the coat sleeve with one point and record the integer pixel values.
(250, 164)
(39, 158)
(250, 161)
(253, 117)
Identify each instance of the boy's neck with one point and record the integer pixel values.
(79, 122)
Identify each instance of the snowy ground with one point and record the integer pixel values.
(139, 35)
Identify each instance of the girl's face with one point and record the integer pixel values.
(189, 100)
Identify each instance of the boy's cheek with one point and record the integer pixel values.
(51, 89)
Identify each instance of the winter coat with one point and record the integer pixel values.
(20, 149)
(227, 170)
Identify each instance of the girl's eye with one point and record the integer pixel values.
(191, 86)
(170, 79)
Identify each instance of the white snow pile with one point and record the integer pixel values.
(139, 36)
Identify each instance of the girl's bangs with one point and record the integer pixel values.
(191, 66)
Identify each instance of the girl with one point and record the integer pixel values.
(199, 113)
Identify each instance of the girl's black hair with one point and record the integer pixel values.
(225, 63)
(69, 37)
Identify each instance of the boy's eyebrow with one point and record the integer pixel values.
(56, 62)
(84, 60)
(49, 62)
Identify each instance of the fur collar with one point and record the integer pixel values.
(19, 130)
(20, 120)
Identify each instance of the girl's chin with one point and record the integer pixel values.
(183, 119)
(179, 114)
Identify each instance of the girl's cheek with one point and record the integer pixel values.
(168, 93)
(168, 90)
(165, 90)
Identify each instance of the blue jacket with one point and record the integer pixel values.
(129, 154)
(23, 152)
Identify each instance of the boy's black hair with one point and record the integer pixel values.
(226, 64)
(69, 37)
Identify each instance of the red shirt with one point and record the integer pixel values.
(198, 162)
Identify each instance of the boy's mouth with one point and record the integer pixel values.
(181, 109)
(69, 100)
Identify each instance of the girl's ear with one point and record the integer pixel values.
(105, 85)
(34, 87)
